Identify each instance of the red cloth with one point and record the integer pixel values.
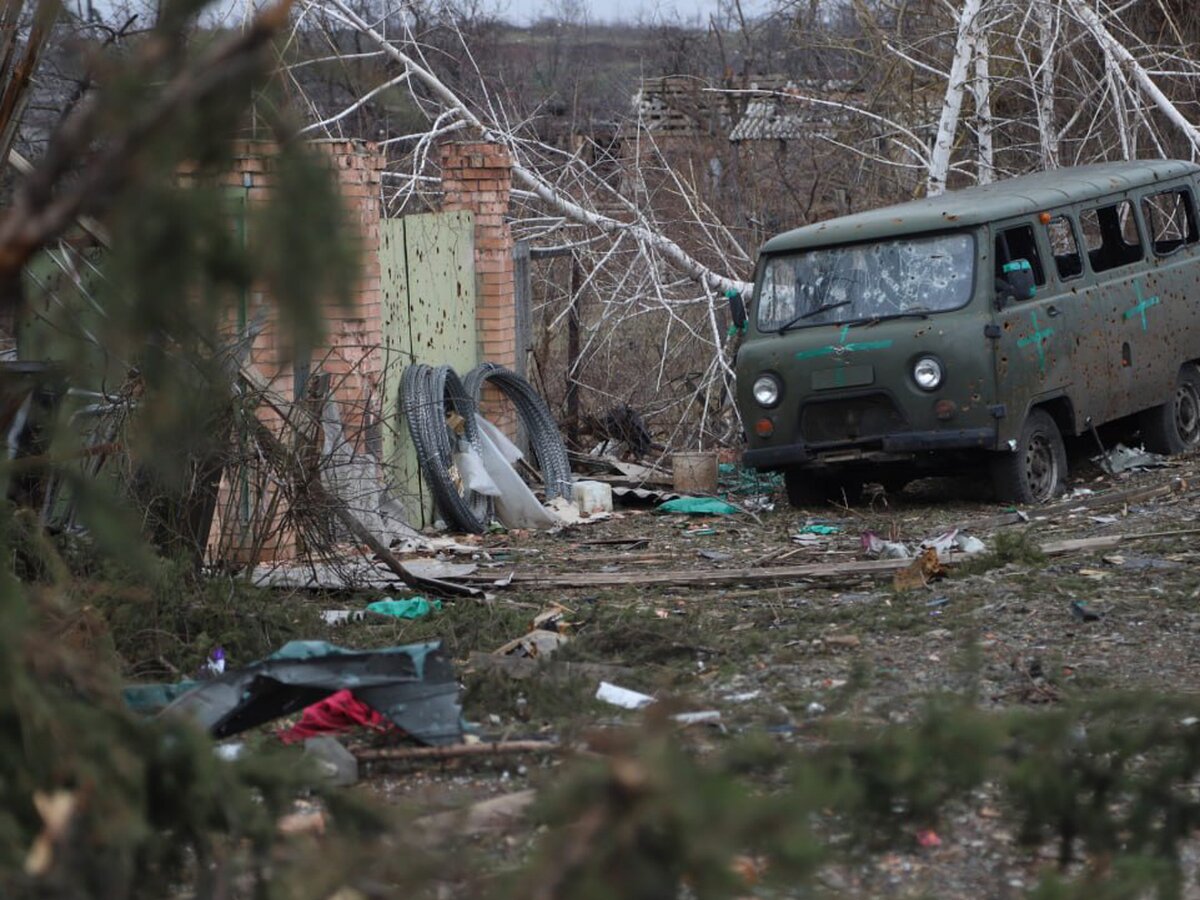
(336, 714)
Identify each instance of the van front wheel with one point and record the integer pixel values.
(809, 487)
(1174, 427)
(1036, 470)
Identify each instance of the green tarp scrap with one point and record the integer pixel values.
(407, 608)
(820, 529)
(415, 686)
(698, 506)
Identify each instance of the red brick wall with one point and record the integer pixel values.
(477, 176)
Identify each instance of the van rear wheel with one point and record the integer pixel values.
(1036, 470)
(1174, 427)
(809, 487)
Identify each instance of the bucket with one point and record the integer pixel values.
(695, 473)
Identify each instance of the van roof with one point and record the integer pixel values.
(983, 203)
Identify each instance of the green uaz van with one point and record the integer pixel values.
(976, 327)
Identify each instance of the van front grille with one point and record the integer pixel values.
(850, 420)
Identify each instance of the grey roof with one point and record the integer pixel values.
(983, 203)
(786, 113)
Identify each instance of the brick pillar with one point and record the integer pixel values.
(351, 351)
(352, 355)
(477, 176)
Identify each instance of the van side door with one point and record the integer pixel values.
(1155, 314)
(1034, 336)
(1116, 256)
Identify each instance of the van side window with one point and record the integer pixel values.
(1171, 219)
(1065, 248)
(1110, 234)
(1013, 244)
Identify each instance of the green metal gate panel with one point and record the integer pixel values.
(427, 269)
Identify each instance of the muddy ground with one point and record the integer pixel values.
(791, 657)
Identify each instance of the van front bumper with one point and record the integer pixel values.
(886, 448)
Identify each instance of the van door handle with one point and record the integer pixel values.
(1052, 311)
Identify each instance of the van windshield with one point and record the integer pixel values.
(866, 281)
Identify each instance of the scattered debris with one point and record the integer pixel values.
(434, 576)
(875, 546)
(592, 497)
(735, 479)
(1080, 611)
(928, 838)
(1126, 459)
(215, 664)
(698, 506)
(622, 697)
(341, 616)
(537, 644)
(406, 608)
(820, 529)
(566, 513)
(640, 496)
(697, 718)
(954, 539)
(414, 686)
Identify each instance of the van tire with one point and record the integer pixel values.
(1037, 470)
(1174, 427)
(806, 487)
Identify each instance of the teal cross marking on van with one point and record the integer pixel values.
(841, 347)
(1039, 336)
(1142, 305)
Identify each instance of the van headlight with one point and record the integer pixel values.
(766, 391)
(927, 373)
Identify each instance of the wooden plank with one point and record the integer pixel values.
(865, 568)
(854, 568)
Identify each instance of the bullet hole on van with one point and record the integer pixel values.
(1008, 326)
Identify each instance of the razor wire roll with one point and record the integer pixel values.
(545, 440)
(429, 395)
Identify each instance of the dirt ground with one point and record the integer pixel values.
(790, 657)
